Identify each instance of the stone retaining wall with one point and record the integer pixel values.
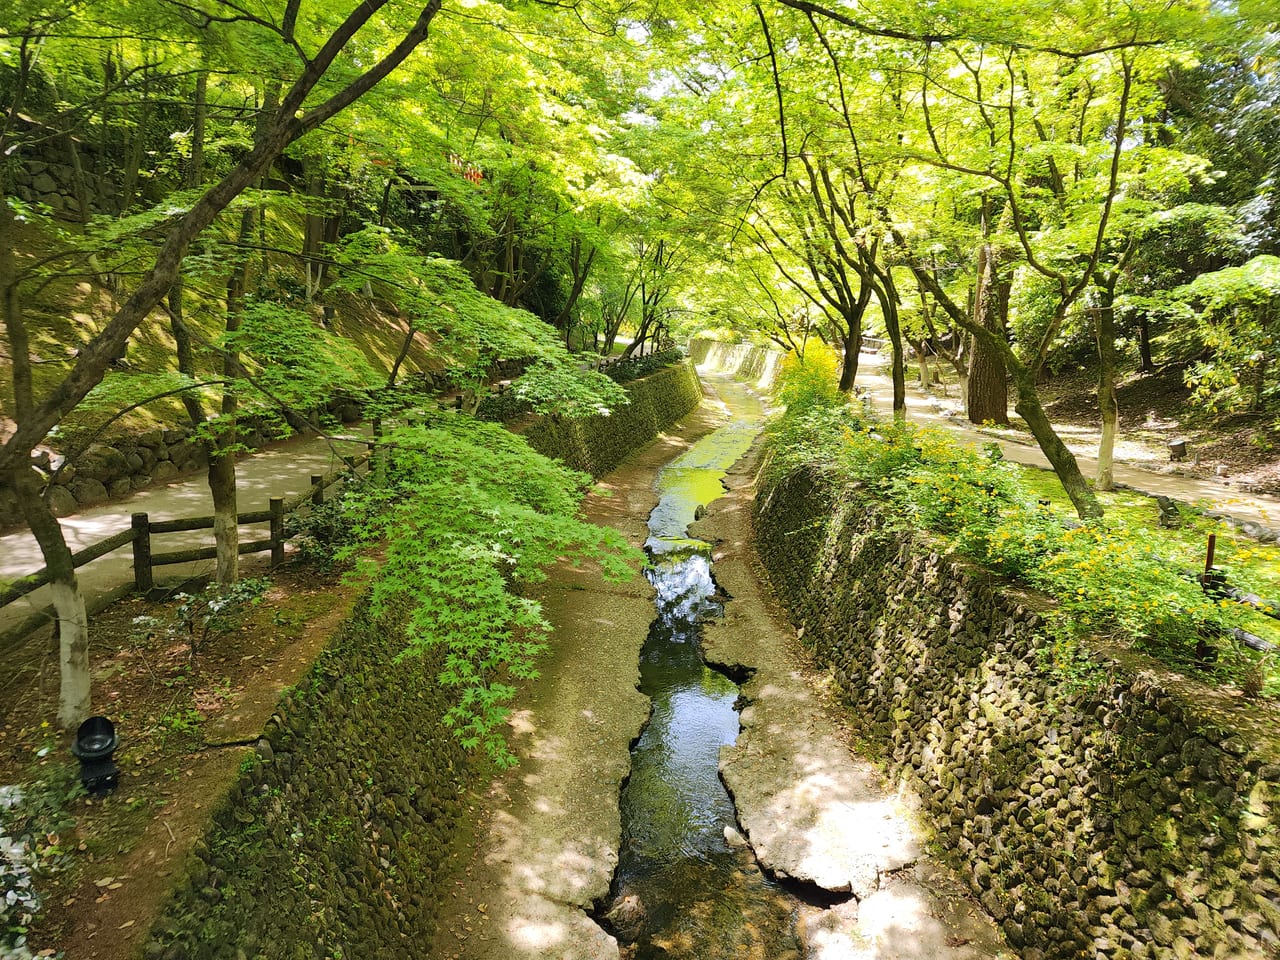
(334, 840)
(1132, 814)
(596, 445)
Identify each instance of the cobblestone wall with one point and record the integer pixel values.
(1129, 814)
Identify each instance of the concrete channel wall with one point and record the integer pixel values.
(747, 362)
(1131, 814)
(334, 838)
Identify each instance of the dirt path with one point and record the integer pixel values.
(1257, 514)
(283, 469)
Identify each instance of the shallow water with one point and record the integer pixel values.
(681, 889)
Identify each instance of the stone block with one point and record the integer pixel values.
(61, 501)
(88, 492)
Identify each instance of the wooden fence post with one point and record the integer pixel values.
(317, 492)
(277, 531)
(142, 580)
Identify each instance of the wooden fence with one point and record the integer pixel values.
(142, 528)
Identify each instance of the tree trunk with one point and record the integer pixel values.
(222, 458)
(195, 168)
(1059, 457)
(226, 531)
(137, 147)
(923, 376)
(987, 396)
(1144, 344)
(1108, 407)
(851, 341)
(74, 696)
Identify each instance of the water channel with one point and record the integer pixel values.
(686, 885)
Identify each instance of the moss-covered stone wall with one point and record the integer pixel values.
(1131, 813)
(332, 843)
(596, 445)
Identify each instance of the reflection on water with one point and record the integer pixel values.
(681, 889)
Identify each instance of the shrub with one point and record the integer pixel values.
(1108, 577)
(810, 381)
(624, 371)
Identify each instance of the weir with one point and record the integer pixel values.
(687, 885)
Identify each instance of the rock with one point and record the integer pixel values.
(164, 472)
(120, 487)
(734, 839)
(44, 183)
(88, 491)
(140, 481)
(627, 916)
(103, 462)
(61, 502)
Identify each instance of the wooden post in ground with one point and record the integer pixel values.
(277, 531)
(317, 490)
(142, 579)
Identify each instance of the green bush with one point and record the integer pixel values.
(810, 381)
(464, 513)
(1109, 577)
(624, 371)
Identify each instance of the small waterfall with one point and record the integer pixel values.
(757, 366)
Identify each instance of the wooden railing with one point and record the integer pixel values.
(142, 528)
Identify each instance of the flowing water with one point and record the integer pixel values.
(685, 885)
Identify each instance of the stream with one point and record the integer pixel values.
(686, 884)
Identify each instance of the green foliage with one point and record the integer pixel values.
(467, 514)
(624, 371)
(202, 617)
(294, 363)
(34, 819)
(1239, 320)
(811, 381)
(1110, 578)
(319, 532)
(559, 385)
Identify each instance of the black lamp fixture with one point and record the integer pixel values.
(95, 742)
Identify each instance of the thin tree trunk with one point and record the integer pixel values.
(1108, 407)
(222, 458)
(851, 343)
(1144, 344)
(195, 168)
(74, 693)
(137, 145)
(987, 397)
(1055, 451)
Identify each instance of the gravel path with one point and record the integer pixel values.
(283, 469)
(1256, 514)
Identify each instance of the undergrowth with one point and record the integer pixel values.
(1111, 577)
(463, 515)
